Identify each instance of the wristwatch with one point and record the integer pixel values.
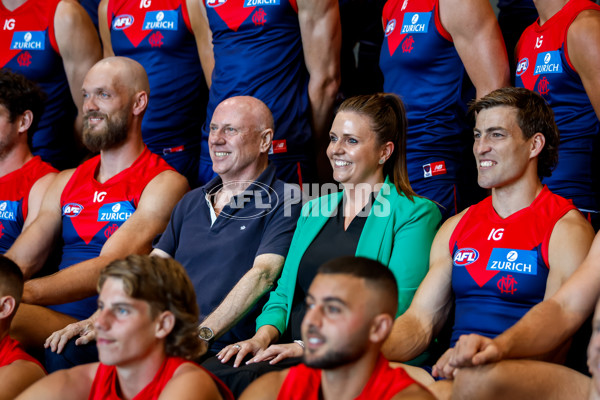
(206, 334)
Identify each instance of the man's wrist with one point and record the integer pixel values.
(207, 334)
(300, 343)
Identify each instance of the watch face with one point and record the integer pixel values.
(205, 333)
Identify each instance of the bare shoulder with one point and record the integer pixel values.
(582, 40)
(266, 387)
(414, 392)
(74, 383)
(573, 226)
(443, 235)
(192, 382)
(70, 13)
(171, 180)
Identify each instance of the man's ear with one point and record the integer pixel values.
(8, 305)
(140, 102)
(538, 141)
(381, 326)
(164, 324)
(266, 138)
(25, 120)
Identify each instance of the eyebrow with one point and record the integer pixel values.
(491, 129)
(328, 299)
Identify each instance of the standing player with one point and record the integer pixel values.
(429, 45)
(23, 177)
(285, 53)
(53, 43)
(559, 57)
(147, 319)
(169, 38)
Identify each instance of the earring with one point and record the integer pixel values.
(381, 160)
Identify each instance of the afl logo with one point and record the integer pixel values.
(72, 210)
(390, 27)
(465, 257)
(215, 3)
(522, 66)
(122, 22)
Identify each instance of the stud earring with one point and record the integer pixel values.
(381, 160)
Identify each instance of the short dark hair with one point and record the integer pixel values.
(11, 279)
(375, 274)
(164, 284)
(389, 123)
(533, 115)
(18, 94)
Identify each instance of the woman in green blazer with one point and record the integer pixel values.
(376, 215)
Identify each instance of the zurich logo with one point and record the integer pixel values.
(414, 19)
(512, 256)
(160, 16)
(3, 206)
(116, 207)
(547, 58)
(28, 37)
(465, 257)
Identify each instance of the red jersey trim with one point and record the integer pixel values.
(186, 16)
(438, 22)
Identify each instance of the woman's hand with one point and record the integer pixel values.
(278, 352)
(241, 349)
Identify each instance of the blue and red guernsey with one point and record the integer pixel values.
(158, 35)
(14, 199)
(28, 46)
(258, 52)
(421, 65)
(544, 66)
(93, 211)
(500, 266)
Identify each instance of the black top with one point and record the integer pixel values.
(331, 242)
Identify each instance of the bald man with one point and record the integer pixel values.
(109, 207)
(243, 221)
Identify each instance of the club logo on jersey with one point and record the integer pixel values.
(155, 39)
(407, 46)
(115, 212)
(72, 210)
(543, 86)
(515, 261)
(507, 284)
(390, 27)
(548, 63)
(260, 17)
(416, 22)
(8, 210)
(215, 3)
(464, 257)
(522, 66)
(122, 22)
(32, 40)
(256, 3)
(160, 20)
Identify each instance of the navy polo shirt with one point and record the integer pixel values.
(260, 220)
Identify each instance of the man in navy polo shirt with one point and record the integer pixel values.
(231, 235)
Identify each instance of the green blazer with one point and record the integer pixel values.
(398, 233)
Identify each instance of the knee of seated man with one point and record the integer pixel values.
(483, 382)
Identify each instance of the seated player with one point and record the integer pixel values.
(23, 177)
(351, 305)
(111, 206)
(18, 369)
(147, 332)
(509, 252)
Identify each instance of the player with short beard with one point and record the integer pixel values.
(109, 207)
(351, 306)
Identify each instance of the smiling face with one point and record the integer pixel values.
(338, 320)
(238, 143)
(354, 151)
(106, 107)
(502, 153)
(126, 331)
